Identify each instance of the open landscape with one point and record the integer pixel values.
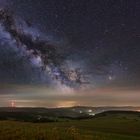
(69, 69)
(108, 125)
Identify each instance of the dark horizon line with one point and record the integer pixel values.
(69, 107)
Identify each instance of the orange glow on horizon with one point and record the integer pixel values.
(13, 104)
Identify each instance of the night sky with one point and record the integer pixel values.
(70, 52)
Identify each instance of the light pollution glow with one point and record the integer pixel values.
(42, 96)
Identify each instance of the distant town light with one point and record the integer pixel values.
(81, 111)
(89, 110)
(92, 114)
(12, 103)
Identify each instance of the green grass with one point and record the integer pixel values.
(110, 127)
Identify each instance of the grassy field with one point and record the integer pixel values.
(105, 127)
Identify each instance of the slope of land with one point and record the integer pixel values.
(111, 125)
(55, 114)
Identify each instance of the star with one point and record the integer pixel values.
(110, 77)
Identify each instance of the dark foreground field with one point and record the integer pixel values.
(105, 126)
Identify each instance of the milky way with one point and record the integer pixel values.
(40, 53)
(88, 50)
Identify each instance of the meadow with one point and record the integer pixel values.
(105, 127)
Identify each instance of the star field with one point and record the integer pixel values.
(72, 45)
